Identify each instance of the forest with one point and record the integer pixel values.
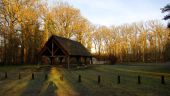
(25, 26)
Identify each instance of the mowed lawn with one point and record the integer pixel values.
(63, 82)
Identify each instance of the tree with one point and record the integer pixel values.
(166, 9)
(20, 30)
(167, 17)
(25, 26)
(64, 20)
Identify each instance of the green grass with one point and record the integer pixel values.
(54, 86)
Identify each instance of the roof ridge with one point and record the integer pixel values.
(72, 47)
(65, 38)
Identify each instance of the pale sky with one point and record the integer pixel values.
(117, 12)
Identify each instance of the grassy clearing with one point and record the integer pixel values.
(69, 86)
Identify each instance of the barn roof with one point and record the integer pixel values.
(71, 47)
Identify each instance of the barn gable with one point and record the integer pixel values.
(62, 47)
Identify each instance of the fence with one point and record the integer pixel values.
(79, 79)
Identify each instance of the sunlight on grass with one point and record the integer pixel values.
(69, 86)
(13, 87)
(143, 72)
(62, 88)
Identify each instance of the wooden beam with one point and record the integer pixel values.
(91, 60)
(44, 48)
(61, 56)
(52, 46)
(78, 60)
(48, 49)
(52, 60)
(56, 50)
(68, 62)
(62, 49)
(85, 60)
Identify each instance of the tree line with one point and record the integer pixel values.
(25, 26)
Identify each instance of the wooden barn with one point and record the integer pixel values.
(65, 50)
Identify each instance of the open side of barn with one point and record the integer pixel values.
(65, 50)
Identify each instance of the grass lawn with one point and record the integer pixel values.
(69, 86)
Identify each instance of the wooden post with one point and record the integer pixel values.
(78, 60)
(91, 60)
(139, 80)
(6, 75)
(52, 60)
(162, 80)
(85, 59)
(68, 62)
(46, 76)
(118, 79)
(79, 78)
(32, 76)
(52, 46)
(99, 79)
(52, 53)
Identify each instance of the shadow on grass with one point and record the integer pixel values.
(69, 86)
(50, 90)
(39, 86)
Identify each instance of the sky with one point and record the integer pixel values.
(118, 12)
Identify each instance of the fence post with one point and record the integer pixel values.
(118, 79)
(162, 80)
(46, 76)
(79, 78)
(32, 76)
(19, 76)
(6, 75)
(99, 79)
(139, 80)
